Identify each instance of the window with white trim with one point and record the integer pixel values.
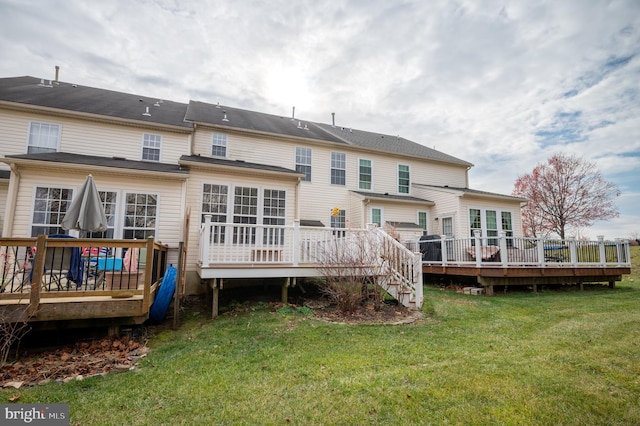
(303, 162)
(219, 145)
(214, 203)
(365, 174)
(338, 168)
(151, 146)
(245, 211)
(404, 178)
(50, 204)
(376, 216)
(273, 213)
(422, 220)
(340, 221)
(140, 216)
(43, 137)
(490, 223)
(109, 204)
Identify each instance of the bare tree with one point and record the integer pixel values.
(565, 192)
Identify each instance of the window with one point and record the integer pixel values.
(219, 145)
(109, 204)
(376, 216)
(403, 179)
(140, 216)
(422, 220)
(303, 162)
(447, 228)
(214, 203)
(340, 221)
(43, 138)
(338, 168)
(491, 223)
(49, 207)
(274, 211)
(245, 211)
(364, 174)
(151, 145)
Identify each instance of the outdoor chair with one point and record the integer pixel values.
(57, 265)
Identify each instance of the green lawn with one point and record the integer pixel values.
(553, 358)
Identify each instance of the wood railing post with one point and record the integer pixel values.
(504, 254)
(573, 251)
(38, 271)
(476, 236)
(603, 253)
(297, 246)
(540, 246)
(148, 275)
(443, 250)
(205, 242)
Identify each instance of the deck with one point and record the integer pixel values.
(45, 280)
(508, 261)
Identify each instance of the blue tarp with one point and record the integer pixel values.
(158, 310)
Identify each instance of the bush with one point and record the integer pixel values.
(347, 295)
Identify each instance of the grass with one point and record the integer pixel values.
(561, 358)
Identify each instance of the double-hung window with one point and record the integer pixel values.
(376, 216)
(219, 145)
(303, 162)
(151, 145)
(43, 137)
(404, 178)
(339, 221)
(109, 203)
(338, 168)
(273, 213)
(140, 216)
(245, 211)
(49, 207)
(364, 174)
(214, 203)
(422, 220)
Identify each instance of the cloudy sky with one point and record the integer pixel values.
(501, 84)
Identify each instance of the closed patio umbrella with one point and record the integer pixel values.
(86, 212)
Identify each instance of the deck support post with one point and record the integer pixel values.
(285, 290)
(535, 288)
(36, 283)
(612, 284)
(216, 294)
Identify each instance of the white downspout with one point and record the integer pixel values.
(12, 198)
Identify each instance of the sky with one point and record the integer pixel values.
(501, 84)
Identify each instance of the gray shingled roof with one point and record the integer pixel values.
(201, 112)
(473, 191)
(71, 97)
(392, 197)
(118, 105)
(90, 160)
(237, 163)
(387, 143)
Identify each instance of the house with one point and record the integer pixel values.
(164, 168)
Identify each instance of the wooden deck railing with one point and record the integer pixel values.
(33, 269)
(504, 251)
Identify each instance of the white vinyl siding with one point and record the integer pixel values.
(151, 147)
(43, 137)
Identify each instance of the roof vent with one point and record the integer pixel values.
(299, 125)
(146, 112)
(157, 103)
(350, 130)
(333, 119)
(293, 114)
(218, 105)
(225, 116)
(306, 127)
(41, 82)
